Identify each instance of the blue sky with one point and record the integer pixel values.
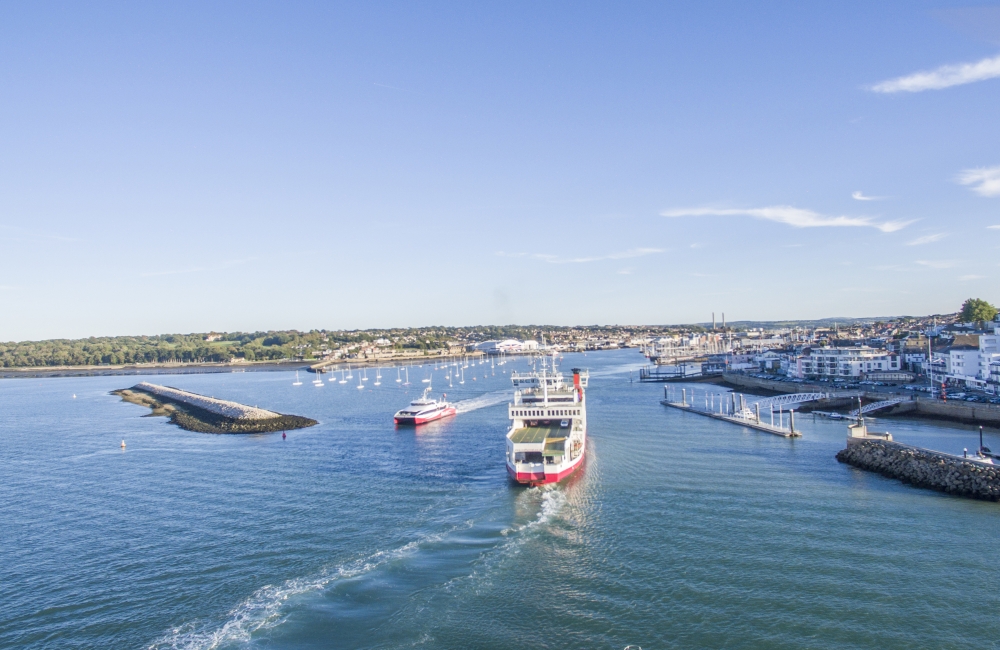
(174, 167)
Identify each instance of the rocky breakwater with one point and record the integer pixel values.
(207, 414)
(925, 468)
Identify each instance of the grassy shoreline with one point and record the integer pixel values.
(39, 372)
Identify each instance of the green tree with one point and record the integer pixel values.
(975, 310)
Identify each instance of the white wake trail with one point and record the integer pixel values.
(265, 608)
(483, 401)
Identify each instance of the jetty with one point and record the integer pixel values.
(195, 412)
(735, 411)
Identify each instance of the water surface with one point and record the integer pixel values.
(680, 531)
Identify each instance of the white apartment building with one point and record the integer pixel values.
(508, 346)
(915, 360)
(843, 363)
(962, 362)
(993, 385)
(989, 351)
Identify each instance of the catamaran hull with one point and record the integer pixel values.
(425, 419)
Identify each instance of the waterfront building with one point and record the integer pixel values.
(507, 346)
(844, 363)
(962, 361)
(993, 385)
(989, 351)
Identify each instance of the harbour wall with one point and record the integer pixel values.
(224, 408)
(776, 387)
(924, 468)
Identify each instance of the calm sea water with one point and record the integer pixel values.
(680, 532)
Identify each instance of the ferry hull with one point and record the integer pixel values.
(539, 478)
(423, 420)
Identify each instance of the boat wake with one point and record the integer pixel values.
(270, 606)
(553, 500)
(614, 371)
(483, 401)
(267, 607)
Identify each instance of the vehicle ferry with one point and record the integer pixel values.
(424, 410)
(547, 440)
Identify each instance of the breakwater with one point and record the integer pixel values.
(233, 410)
(196, 412)
(925, 468)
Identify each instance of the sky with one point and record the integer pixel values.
(197, 166)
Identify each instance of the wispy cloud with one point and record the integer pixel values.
(942, 77)
(938, 264)
(996, 227)
(197, 269)
(626, 272)
(791, 216)
(966, 278)
(557, 259)
(984, 181)
(859, 196)
(927, 239)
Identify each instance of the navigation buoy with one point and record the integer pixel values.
(74, 395)
(123, 444)
(283, 435)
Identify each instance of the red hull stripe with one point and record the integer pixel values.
(539, 478)
(437, 416)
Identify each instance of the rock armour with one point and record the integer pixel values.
(226, 409)
(925, 468)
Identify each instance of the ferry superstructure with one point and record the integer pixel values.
(547, 439)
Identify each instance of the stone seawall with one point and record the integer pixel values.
(743, 381)
(232, 410)
(206, 414)
(968, 412)
(925, 468)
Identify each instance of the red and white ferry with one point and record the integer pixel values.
(424, 410)
(547, 440)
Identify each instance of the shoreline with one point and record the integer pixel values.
(151, 369)
(306, 365)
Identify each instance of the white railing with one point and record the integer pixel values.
(875, 406)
